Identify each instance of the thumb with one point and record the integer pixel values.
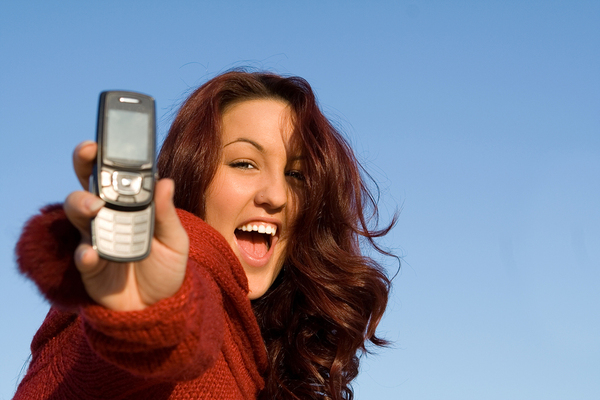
(167, 228)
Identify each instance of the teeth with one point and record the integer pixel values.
(267, 229)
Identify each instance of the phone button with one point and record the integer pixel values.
(140, 238)
(123, 218)
(110, 193)
(123, 248)
(147, 185)
(123, 228)
(104, 225)
(141, 218)
(126, 199)
(142, 197)
(104, 234)
(106, 246)
(127, 183)
(106, 215)
(105, 179)
(138, 247)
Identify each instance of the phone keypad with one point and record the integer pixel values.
(122, 234)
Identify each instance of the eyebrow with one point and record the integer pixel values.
(259, 147)
(245, 140)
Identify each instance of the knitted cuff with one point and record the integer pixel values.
(45, 255)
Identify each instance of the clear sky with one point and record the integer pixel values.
(480, 120)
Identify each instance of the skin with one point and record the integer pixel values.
(250, 185)
(257, 183)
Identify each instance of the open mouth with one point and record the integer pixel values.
(256, 239)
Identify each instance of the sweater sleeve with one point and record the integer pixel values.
(176, 339)
(45, 255)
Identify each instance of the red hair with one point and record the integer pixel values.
(329, 298)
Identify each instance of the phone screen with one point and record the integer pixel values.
(127, 136)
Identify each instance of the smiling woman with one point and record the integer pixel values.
(253, 189)
(255, 287)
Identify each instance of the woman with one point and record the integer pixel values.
(255, 286)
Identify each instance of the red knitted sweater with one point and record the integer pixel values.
(202, 343)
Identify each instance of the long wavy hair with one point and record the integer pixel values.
(327, 301)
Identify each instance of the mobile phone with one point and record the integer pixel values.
(124, 176)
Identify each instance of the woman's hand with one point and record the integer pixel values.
(136, 285)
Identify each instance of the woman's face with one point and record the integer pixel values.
(252, 200)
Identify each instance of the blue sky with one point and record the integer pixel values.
(480, 120)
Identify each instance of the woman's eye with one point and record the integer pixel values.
(299, 176)
(242, 165)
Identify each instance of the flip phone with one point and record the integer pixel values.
(124, 176)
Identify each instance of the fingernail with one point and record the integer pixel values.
(80, 254)
(94, 204)
(84, 143)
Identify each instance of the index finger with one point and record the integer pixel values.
(83, 161)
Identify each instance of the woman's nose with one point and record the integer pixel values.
(273, 192)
